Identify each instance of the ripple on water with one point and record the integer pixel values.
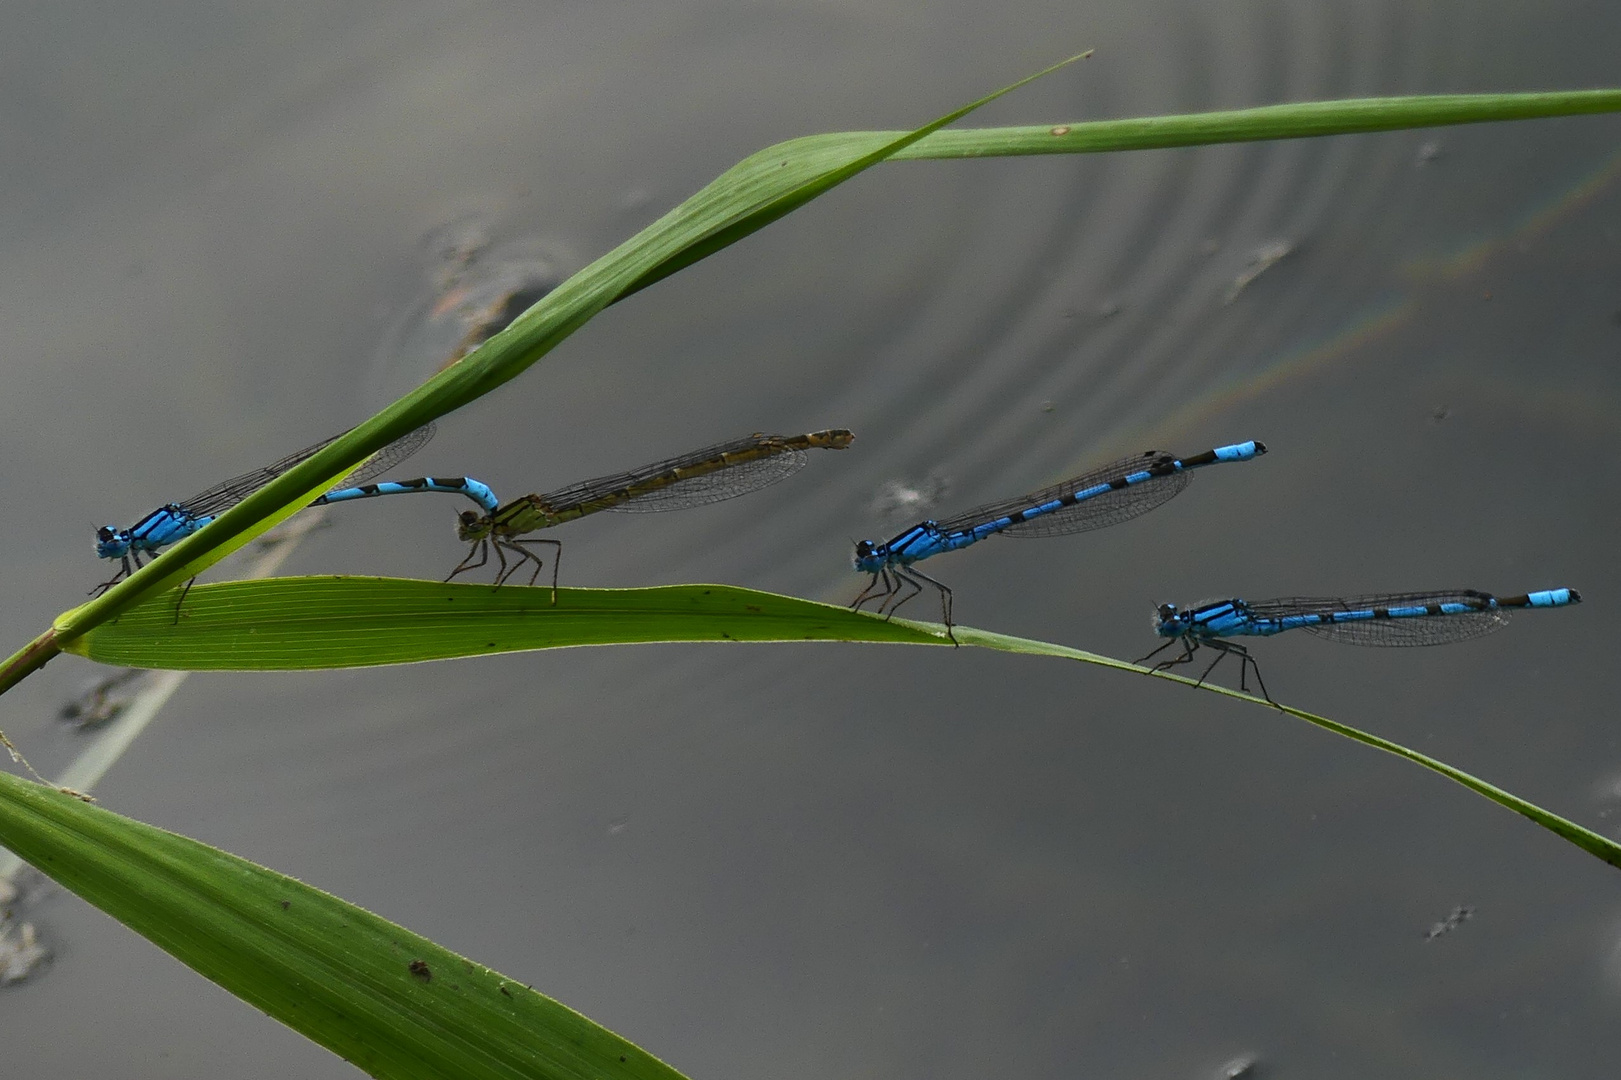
(469, 282)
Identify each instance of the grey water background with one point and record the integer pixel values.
(836, 860)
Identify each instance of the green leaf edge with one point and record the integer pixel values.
(343, 976)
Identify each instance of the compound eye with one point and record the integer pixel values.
(105, 533)
(864, 548)
(1167, 612)
(467, 517)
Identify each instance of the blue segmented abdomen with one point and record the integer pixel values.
(1385, 619)
(1113, 493)
(479, 492)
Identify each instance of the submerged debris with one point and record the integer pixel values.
(1262, 259)
(293, 529)
(21, 953)
(1455, 918)
(102, 700)
(468, 288)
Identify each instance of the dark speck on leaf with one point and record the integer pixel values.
(419, 968)
(753, 607)
(621, 1057)
(489, 644)
(505, 991)
(285, 904)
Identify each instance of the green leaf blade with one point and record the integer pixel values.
(300, 624)
(390, 1001)
(1293, 120)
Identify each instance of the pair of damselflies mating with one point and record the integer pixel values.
(1113, 493)
(709, 475)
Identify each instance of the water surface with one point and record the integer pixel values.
(829, 860)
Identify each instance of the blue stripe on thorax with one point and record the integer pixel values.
(163, 527)
(1230, 618)
(921, 541)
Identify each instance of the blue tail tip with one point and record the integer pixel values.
(1244, 451)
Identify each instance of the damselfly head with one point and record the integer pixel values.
(870, 556)
(111, 542)
(472, 526)
(1169, 622)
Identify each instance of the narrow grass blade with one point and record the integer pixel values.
(302, 623)
(1594, 844)
(389, 1001)
(1294, 120)
(781, 199)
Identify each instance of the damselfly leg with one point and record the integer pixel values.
(481, 548)
(1190, 645)
(181, 599)
(872, 591)
(917, 579)
(557, 559)
(1245, 663)
(1162, 648)
(123, 573)
(900, 596)
(523, 555)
